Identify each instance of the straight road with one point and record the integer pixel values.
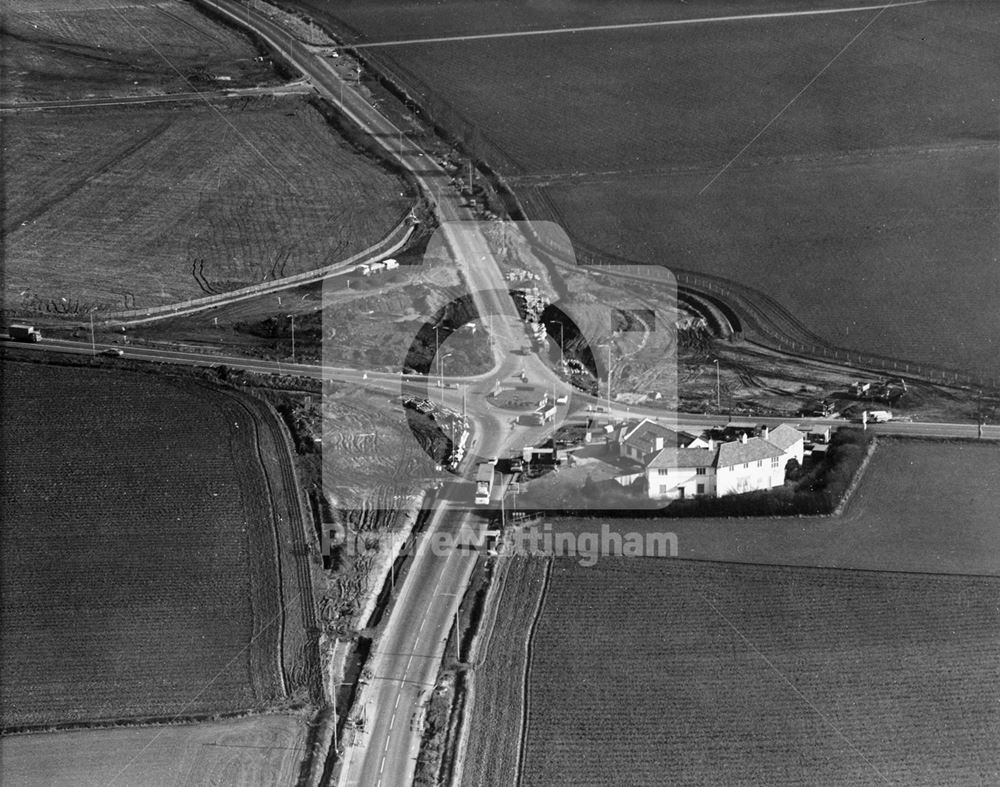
(386, 754)
(409, 650)
(395, 383)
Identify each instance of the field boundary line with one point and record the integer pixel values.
(638, 25)
(794, 688)
(522, 744)
(276, 539)
(856, 481)
(809, 84)
(179, 717)
(299, 552)
(480, 644)
(215, 109)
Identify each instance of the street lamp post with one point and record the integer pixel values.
(441, 373)
(437, 348)
(718, 387)
(292, 318)
(562, 341)
(608, 345)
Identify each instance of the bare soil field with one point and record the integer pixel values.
(920, 506)
(127, 208)
(257, 750)
(645, 671)
(374, 475)
(848, 208)
(53, 50)
(149, 548)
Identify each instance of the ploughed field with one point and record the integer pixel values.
(864, 199)
(55, 51)
(130, 207)
(646, 670)
(143, 526)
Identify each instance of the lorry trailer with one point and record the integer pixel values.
(24, 333)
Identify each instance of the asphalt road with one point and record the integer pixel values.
(386, 752)
(408, 652)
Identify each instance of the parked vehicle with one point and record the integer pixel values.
(24, 333)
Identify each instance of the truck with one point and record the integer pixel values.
(24, 333)
(879, 416)
(484, 483)
(541, 416)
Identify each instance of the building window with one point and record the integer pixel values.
(663, 489)
(700, 471)
(746, 465)
(760, 463)
(701, 489)
(774, 461)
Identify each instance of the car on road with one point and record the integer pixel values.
(113, 352)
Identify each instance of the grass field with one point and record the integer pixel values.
(258, 750)
(145, 521)
(654, 671)
(126, 208)
(920, 506)
(849, 208)
(54, 50)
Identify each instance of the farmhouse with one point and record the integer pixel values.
(677, 465)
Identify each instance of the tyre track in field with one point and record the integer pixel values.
(299, 550)
(279, 617)
(71, 188)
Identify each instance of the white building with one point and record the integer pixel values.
(679, 466)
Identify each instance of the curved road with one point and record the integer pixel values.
(405, 659)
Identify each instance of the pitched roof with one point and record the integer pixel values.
(646, 431)
(753, 450)
(784, 436)
(682, 457)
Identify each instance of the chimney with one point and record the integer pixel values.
(766, 433)
(711, 444)
(743, 438)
